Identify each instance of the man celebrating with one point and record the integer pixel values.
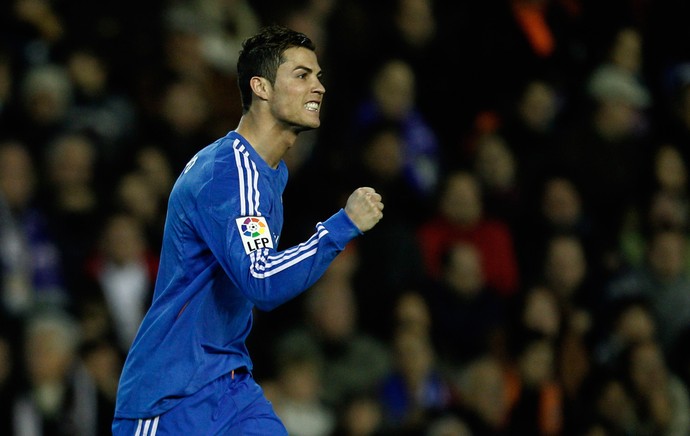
(188, 371)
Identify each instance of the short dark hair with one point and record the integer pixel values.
(262, 54)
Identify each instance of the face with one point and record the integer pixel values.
(412, 312)
(298, 92)
(667, 254)
(16, 176)
(538, 105)
(561, 203)
(487, 392)
(566, 265)
(647, 368)
(541, 312)
(48, 359)
(461, 201)
(394, 89)
(73, 162)
(464, 271)
(669, 169)
(627, 50)
(536, 362)
(495, 163)
(335, 313)
(385, 155)
(636, 325)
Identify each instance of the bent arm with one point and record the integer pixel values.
(268, 277)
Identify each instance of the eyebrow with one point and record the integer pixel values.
(308, 70)
(302, 67)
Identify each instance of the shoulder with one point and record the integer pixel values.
(215, 163)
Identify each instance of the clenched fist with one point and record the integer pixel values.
(364, 207)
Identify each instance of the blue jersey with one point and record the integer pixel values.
(219, 261)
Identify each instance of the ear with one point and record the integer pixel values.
(261, 87)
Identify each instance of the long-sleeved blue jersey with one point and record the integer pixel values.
(219, 260)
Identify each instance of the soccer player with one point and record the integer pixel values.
(188, 371)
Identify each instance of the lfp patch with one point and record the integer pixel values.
(254, 232)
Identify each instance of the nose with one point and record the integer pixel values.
(319, 88)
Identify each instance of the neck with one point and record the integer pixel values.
(270, 138)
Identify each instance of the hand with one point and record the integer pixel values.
(364, 207)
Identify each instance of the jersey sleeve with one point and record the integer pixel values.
(269, 277)
(266, 276)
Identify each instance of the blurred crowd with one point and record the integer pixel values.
(531, 275)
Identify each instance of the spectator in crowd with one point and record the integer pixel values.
(567, 273)
(483, 396)
(468, 317)
(360, 415)
(298, 391)
(143, 191)
(538, 405)
(412, 313)
(579, 299)
(46, 99)
(73, 205)
(661, 398)
(610, 404)
(32, 268)
(497, 170)
(664, 281)
(102, 360)
(124, 269)
(152, 163)
(381, 162)
(414, 27)
(460, 216)
(94, 317)
(632, 321)
(58, 397)
(539, 310)
(530, 127)
(137, 196)
(416, 388)
(670, 171)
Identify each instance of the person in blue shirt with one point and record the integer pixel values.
(188, 371)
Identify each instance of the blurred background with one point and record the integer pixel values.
(531, 275)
